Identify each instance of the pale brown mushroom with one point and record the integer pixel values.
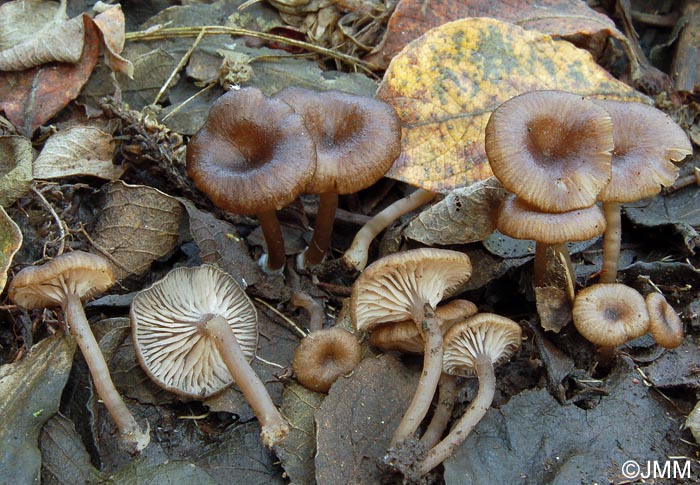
(664, 323)
(65, 281)
(195, 332)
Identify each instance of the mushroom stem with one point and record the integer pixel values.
(611, 242)
(274, 261)
(553, 267)
(471, 417)
(317, 315)
(131, 437)
(447, 393)
(274, 427)
(356, 255)
(323, 228)
(427, 384)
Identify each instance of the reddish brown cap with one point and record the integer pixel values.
(664, 323)
(646, 141)
(254, 154)
(610, 314)
(551, 148)
(519, 220)
(357, 137)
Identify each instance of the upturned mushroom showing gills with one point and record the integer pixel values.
(65, 281)
(408, 286)
(647, 141)
(664, 323)
(473, 348)
(357, 140)
(253, 155)
(195, 332)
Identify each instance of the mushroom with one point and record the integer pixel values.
(609, 315)
(65, 281)
(325, 355)
(473, 348)
(646, 141)
(195, 332)
(357, 140)
(664, 323)
(253, 155)
(408, 286)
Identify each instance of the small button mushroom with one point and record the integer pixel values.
(609, 315)
(65, 281)
(664, 323)
(408, 286)
(357, 140)
(253, 156)
(195, 332)
(646, 142)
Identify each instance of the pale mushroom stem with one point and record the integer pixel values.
(132, 438)
(356, 255)
(317, 315)
(429, 378)
(274, 426)
(471, 417)
(323, 229)
(274, 260)
(447, 393)
(611, 242)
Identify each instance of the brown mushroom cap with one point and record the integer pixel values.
(551, 148)
(83, 274)
(481, 334)
(396, 287)
(405, 337)
(664, 323)
(519, 220)
(357, 137)
(610, 314)
(325, 355)
(646, 141)
(253, 154)
(165, 324)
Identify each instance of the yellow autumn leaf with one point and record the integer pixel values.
(445, 84)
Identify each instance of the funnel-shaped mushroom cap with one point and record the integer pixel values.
(646, 141)
(398, 286)
(253, 154)
(166, 320)
(551, 148)
(482, 334)
(610, 314)
(80, 273)
(357, 138)
(664, 323)
(519, 220)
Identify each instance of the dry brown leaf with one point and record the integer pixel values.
(22, 20)
(445, 85)
(79, 150)
(572, 20)
(16, 155)
(137, 225)
(10, 242)
(112, 26)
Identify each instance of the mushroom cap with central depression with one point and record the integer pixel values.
(166, 321)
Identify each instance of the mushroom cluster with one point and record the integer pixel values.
(255, 154)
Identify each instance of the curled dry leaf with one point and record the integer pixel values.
(16, 155)
(112, 27)
(570, 19)
(79, 150)
(10, 242)
(445, 85)
(137, 225)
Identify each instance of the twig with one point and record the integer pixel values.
(274, 310)
(187, 101)
(180, 65)
(104, 252)
(57, 220)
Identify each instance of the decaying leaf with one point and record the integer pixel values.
(553, 307)
(64, 459)
(10, 242)
(299, 448)
(137, 225)
(79, 150)
(143, 472)
(570, 19)
(16, 155)
(112, 26)
(30, 392)
(356, 420)
(445, 85)
(21, 20)
(465, 215)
